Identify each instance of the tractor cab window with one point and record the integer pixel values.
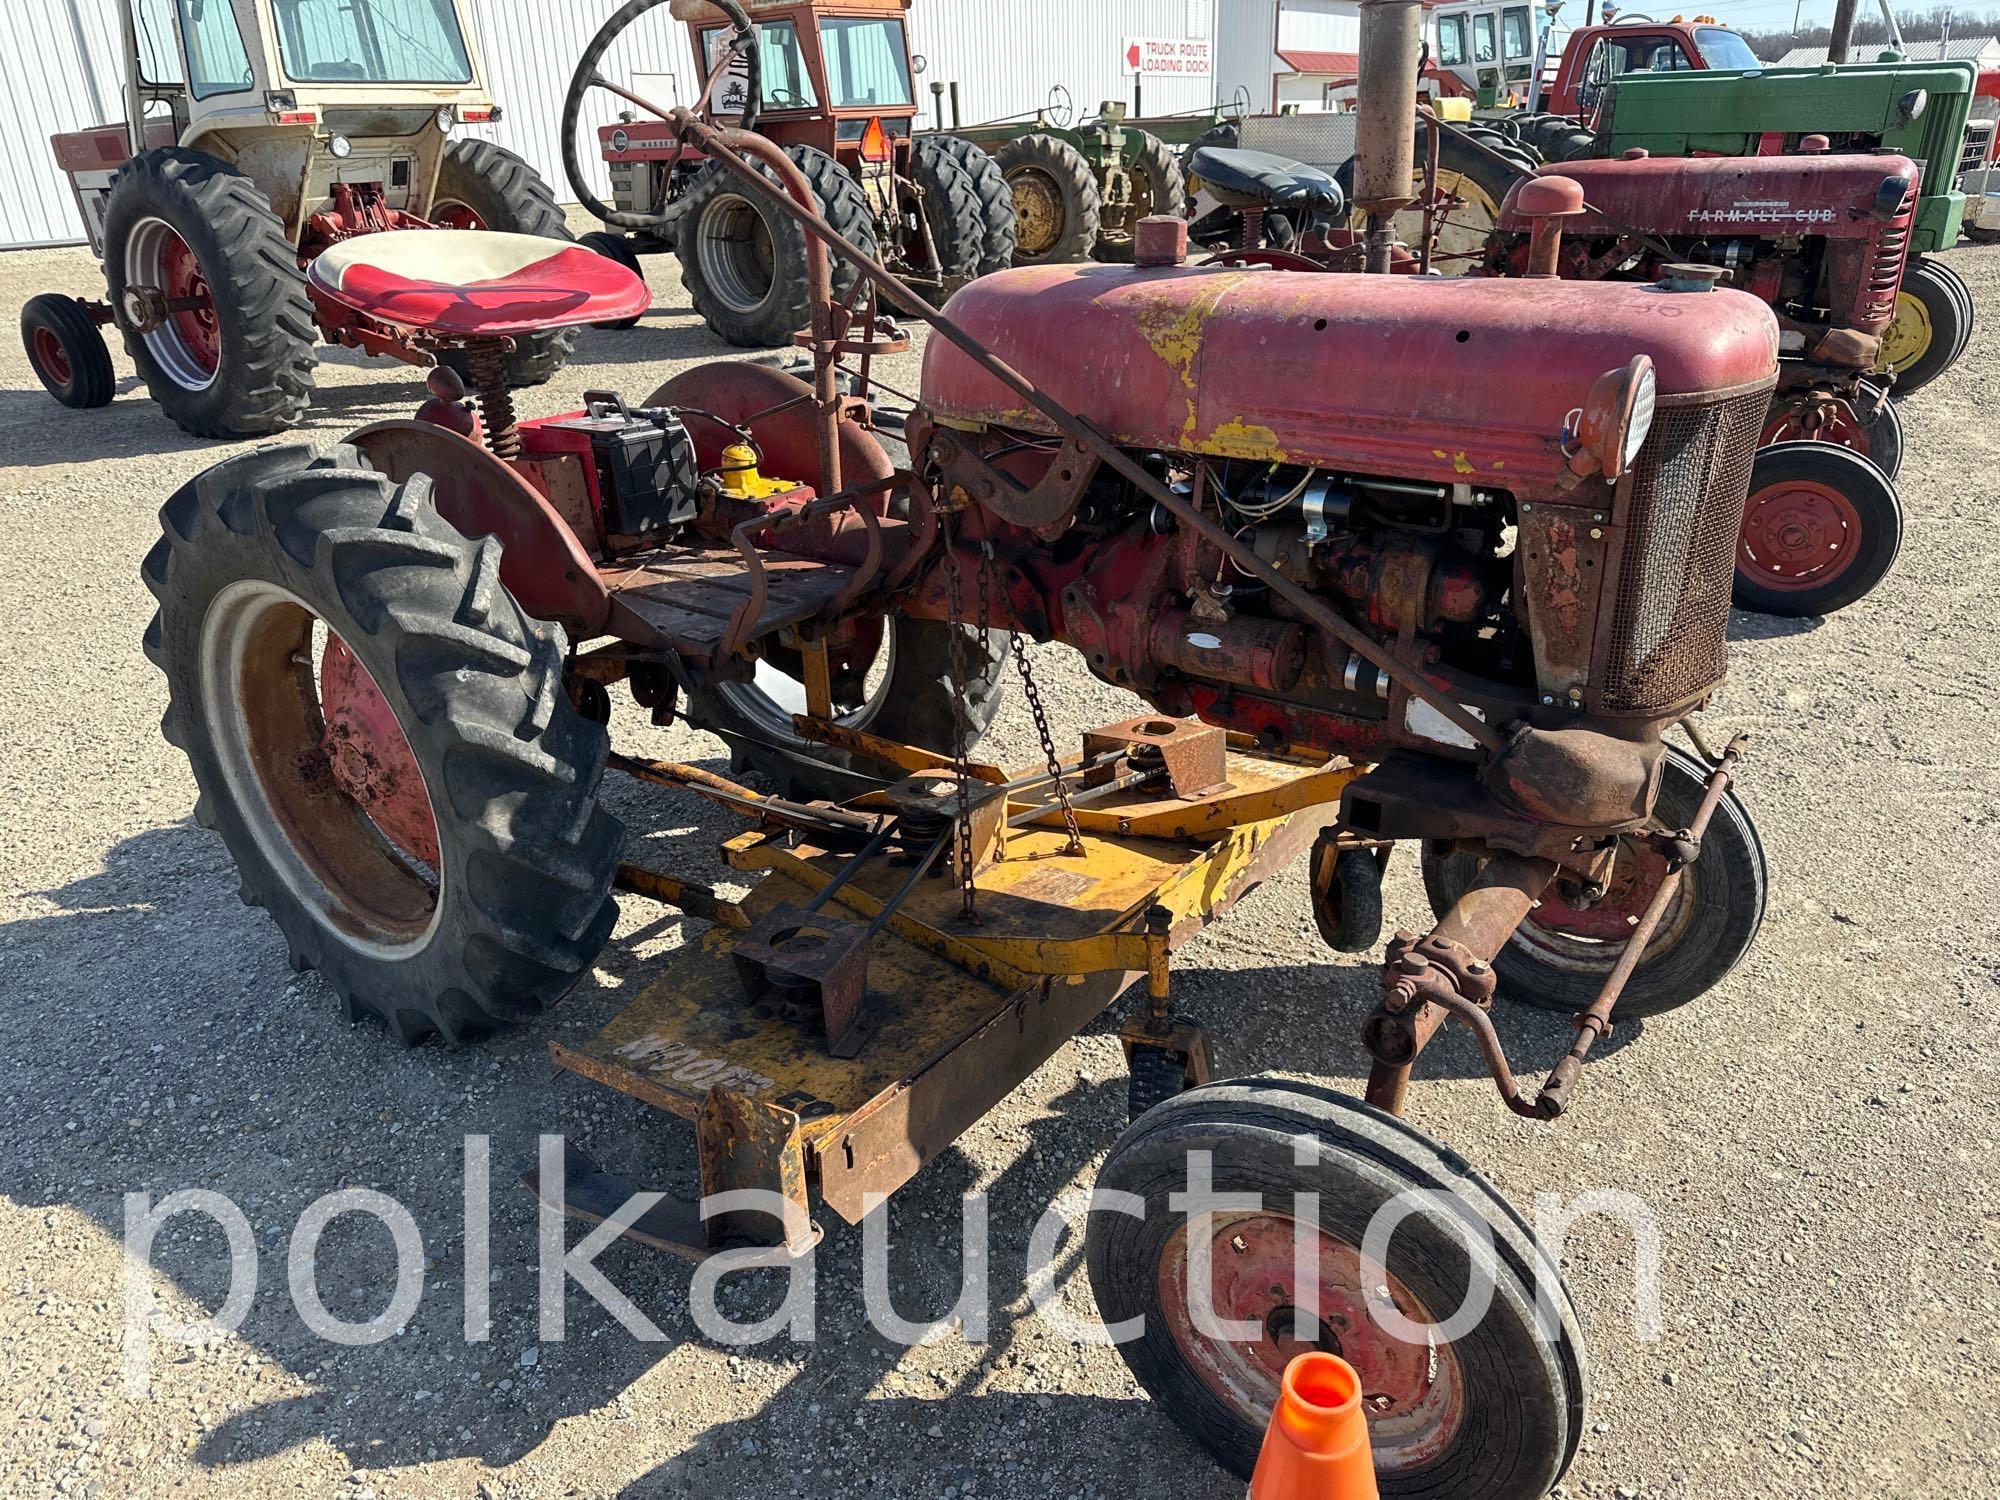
(782, 67)
(1666, 58)
(1484, 49)
(159, 48)
(1724, 50)
(371, 41)
(867, 63)
(216, 61)
(1517, 38)
(1451, 41)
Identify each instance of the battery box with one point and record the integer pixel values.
(647, 472)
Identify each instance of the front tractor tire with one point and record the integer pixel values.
(743, 263)
(483, 186)
(1560, 956)
(67, 351)
(208, 293)
(1057, 207)
(1495, 1412)
(1821, 529)
(1931, 327)
(381, 738)
(1158, 187)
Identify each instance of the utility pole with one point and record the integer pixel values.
(1843, 31)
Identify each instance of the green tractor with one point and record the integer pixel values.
(1080, 188)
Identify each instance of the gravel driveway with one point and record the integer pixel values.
(1816, 1136)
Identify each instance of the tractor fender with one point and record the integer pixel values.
(542, 563)
(786, 423)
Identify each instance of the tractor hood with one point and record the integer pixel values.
(1452, 380)
(1734, 196)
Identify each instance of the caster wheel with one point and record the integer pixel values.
(1347, 895)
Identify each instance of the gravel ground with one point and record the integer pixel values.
(1816, 1136)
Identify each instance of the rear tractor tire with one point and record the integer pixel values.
(1821, 528)
(743, 262)
(381, 737)
(234, 357)
(1057, 208)
(482, 186)
(67, 352)
(614, 246)
(996, 202)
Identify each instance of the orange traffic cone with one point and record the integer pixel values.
(1316, 1447)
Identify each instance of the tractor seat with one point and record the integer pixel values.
(475, 283)
(1257, 179)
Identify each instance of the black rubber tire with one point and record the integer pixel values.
(1729, 889)
(614, 246)
(1885, 440)
(1525, 1377)
(1963, 293)
(263, 382)
(1457, 155)
(90, 381)
(914, 707)
(1061, 172)
(952, 208)
(1156, 1075)
(527, 854)
(1159, 186)
(1347, 896)
(996, 201)
(509, 197)
(1874, 499)
(1225, 135)
(1947, 304)
(784, 307)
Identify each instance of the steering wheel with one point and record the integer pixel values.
(1060, 109)
(586, 77)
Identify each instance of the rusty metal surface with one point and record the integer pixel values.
(745, 1143)
(692, 597)
(542, 563)
(811, 967)
(1194, 755)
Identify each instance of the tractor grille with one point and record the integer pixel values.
(1670, 620)
(1978, 145)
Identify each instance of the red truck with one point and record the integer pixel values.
(1574, 82)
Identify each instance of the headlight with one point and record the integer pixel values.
(1646, 391)
(339, 147)
(1616, 418)
(446, 117)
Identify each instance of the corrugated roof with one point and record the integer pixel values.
(1344, 63)
(1968, 49)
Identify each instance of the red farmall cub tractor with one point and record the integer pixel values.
(833, 84)
(259, 135)
(1823, 240)
(1375, 595)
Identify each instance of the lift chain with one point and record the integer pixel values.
(1018, 648)
(961, 717)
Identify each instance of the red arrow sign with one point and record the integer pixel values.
(1132, 57)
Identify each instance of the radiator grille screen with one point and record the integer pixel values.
(1670, 621)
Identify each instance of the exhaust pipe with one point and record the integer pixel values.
(1385, 125)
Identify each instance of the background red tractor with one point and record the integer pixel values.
(259, 134)
(834, 85)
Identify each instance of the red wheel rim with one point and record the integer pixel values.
(455, 216)
(1636, 872)
(1797, 534)
(200, 331)
(1414, 1394)
(1835, 424)
(51, 358)
(370, 757)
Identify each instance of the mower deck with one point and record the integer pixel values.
(956, 1014)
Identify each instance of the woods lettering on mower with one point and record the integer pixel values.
(1390, 560)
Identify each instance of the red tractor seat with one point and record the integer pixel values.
(475, 283)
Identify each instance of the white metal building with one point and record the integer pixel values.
(59, 70)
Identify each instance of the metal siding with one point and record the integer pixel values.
(1004, 54)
